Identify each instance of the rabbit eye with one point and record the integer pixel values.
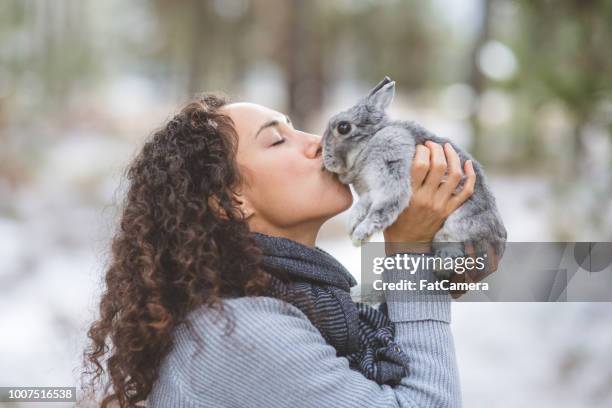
(344, 127)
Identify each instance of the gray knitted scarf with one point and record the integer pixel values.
(316, 283)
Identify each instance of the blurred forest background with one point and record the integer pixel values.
(525, 86)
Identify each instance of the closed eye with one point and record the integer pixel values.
(279, 142)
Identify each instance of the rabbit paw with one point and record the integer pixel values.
(358, 214)
(353, 221)
(355, 218)
(362, 233)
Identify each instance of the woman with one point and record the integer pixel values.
(187, 306)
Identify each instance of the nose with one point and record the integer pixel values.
(314, 149)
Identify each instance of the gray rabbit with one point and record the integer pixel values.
(374, 153)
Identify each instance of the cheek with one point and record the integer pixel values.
(286, 183)
(293, 190)
(282, 177)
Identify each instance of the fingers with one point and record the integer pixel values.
(470, 250)
(474, 275)
(467, 190)
(471, 275)
(420, 166)
(437, 167)
(491, 262)
(454, 172)
(494, 260)
(458, 278)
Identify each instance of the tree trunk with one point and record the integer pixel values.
(476, 79)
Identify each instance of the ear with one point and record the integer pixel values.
(382, 94)
(378, 86)
(244, 205)
(238, 199)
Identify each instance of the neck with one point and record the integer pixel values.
(305, 234)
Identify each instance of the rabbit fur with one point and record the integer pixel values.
(374, 153)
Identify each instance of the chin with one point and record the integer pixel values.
(345, 199)
(336, 197)
(332, 206)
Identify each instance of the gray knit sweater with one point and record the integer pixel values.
(274, 357)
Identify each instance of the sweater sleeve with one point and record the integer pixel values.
(275, 357)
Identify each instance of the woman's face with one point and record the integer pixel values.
(288, 193)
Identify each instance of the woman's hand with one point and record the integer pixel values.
(432, 198)
(475, 275)
(431, 203)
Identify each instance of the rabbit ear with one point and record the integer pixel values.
(382, 95)
(382, 83)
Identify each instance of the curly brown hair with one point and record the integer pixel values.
(180, 226)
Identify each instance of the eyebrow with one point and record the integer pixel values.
(271, 123)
